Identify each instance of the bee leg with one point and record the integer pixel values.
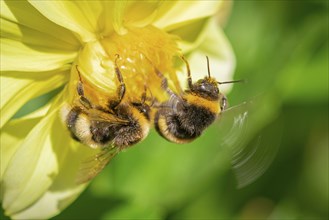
(121, 89)
(152, 99)
(189, 78)
(164, 82)
(83, 100)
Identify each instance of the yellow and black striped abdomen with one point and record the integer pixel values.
(187, 123)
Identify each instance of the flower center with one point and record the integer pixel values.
(139, 52)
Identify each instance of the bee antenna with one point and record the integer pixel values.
(208, 66)
(233, 81)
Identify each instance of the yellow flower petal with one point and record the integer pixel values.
(118, 17)
(17, 88)
(192, 35)
(12, 135)
(77, 16)
(24, 22)
(14, 31)
(50, 183)
(133, 14)
(51, 203)
(94, 61)
(16, 56)
(32, 168)
(64, 189)
(184, 12)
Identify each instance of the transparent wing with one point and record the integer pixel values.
(92, 166)
(97, 115)
(252, 146)
(174, 102)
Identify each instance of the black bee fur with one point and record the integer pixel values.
(185, 116)
(120, 124)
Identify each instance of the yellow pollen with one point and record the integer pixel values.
(139, 50)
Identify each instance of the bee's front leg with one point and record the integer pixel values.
(83, 100)
(121, 89)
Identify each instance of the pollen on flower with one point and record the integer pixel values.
(139, 51)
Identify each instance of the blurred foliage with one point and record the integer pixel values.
(282, 51)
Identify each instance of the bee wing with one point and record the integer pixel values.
(252, 149)
(93, 165)
(174, 102)
(97, 115)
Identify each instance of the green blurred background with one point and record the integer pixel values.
(282, 50)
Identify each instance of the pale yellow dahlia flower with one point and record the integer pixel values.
(41, 44)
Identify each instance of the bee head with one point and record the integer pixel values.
(206, 88)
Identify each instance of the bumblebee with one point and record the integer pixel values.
(184, 117)
(110, 128)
